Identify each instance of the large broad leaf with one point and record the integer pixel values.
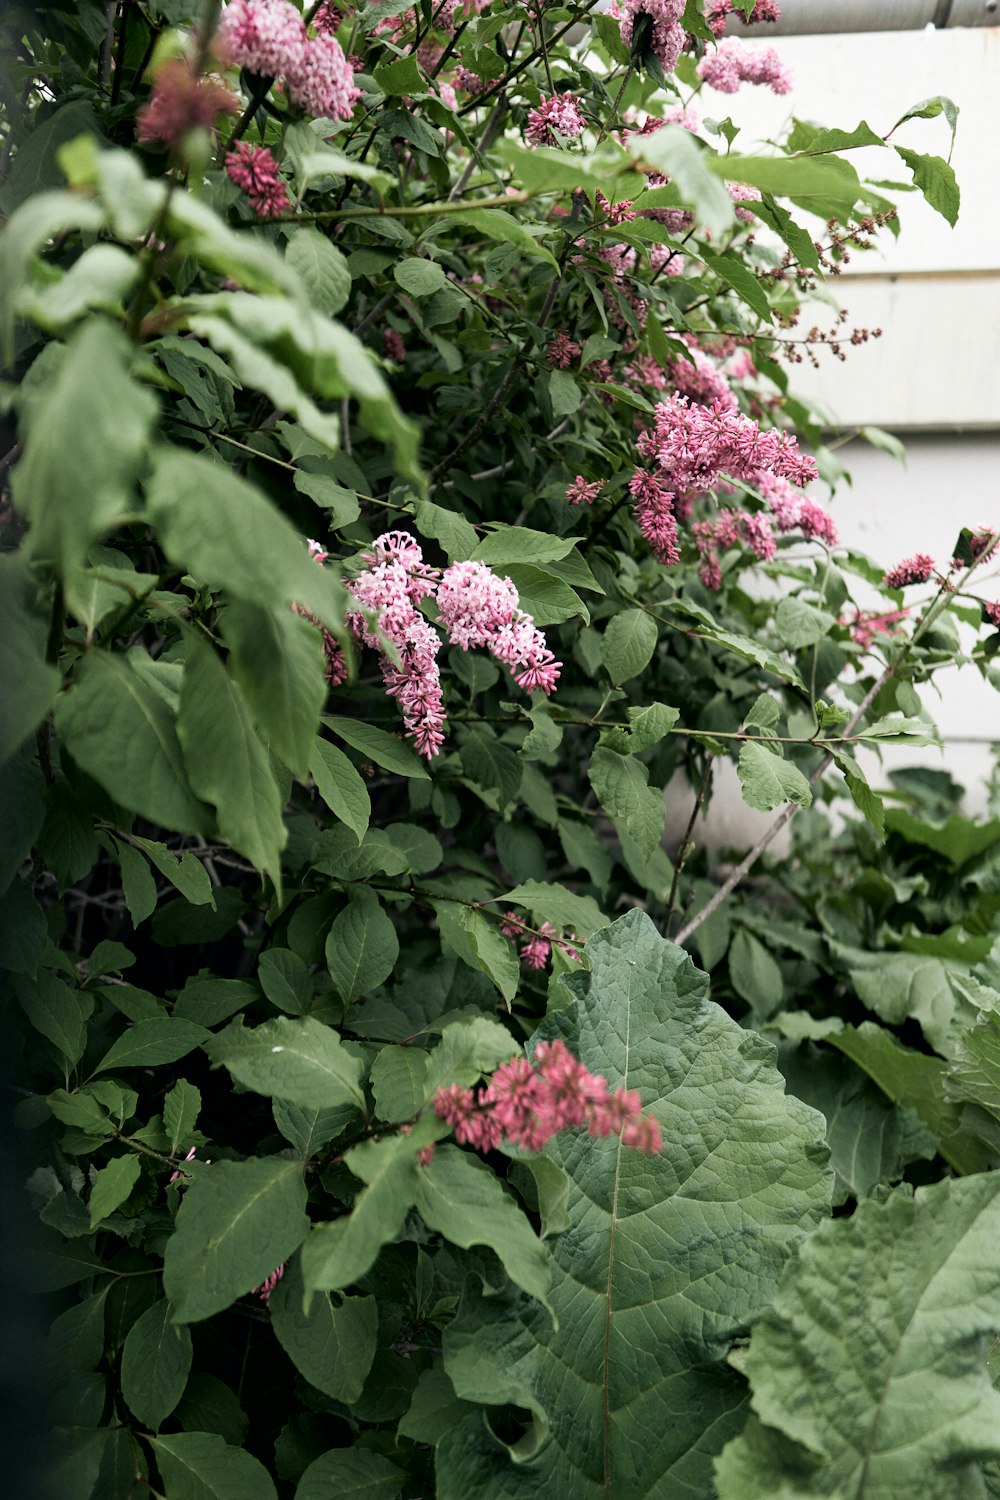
(238, 1221)
(333, 1343)
(156, 1362)
(122, 731)
(202, 1466)
(869, 1375)
(86, 442)
(227, 762)
(303, 1062)
(277, 661)
(665, 1260)
(29, 683)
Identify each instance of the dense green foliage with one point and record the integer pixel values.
(249, 932)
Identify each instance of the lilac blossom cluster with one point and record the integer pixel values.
(557, 117)
(867, 624)
(667, 36)
(793, 512)
(255, 171)
(733, 63)
(528, 1102)
(915, 569)
(269, 38)
(537, 946)
(475, 609)
(718, 12)
(181, 100)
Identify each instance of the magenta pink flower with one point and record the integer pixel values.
(392, 346)
(992, 613)
(467, 82)
(654, 514)
(582, 493)
(327, 18)
(719, 11)
(180, 101)
(558, 116)
(562, 351)
(733, 63)
(528, 1101)
(868, 624)
(916, 569)
(255, 171)
(695, 446)
(268, 1285)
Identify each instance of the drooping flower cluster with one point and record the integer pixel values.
(654, 515)
(916, 569)
(719, 11)
(475, 608)
(792, 512)
(733, 63)
(182, 100)
(527, 1102)
(537, 945)
(255, 171)
(269, 38)
(557, 116)
(666, 36)
(269, 1283)
(729, 529)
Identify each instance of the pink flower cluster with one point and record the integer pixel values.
(982, 545)
(793, 512)
(719, 12)
(916, 569)
(526, 1103)
(269, 1283)
(556, 116)
(733, 63)
(562, 351)
(255, 170)
(475, 608)
(582, 493)
(992, 613)
(695, 446)
(701, 381)
(269, 38)
(180, 101)
(729, 529)
(868, 624)
(667, 36)
(654, 515)
(538, 945)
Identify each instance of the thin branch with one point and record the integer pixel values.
(686, 846)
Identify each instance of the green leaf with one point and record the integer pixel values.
(86, 443)
(435, 1408)
(957, 839)
(867, 801)
(226, 532)
(936, 180)
(453, 532)
(386, 750)
(768, 781)
(744, 283)
(285, 980)
(800, 624)
(498, 224)
(974, 1072)
(156, 1362)
(122, 731)
(362, 947)
(228, 764)
(550, 902)
(209, 1406)
(667, 1257)
(398, 1080)
(622, 788)
(476, 940)
(184, 871)
(564, 393)
(337, 1255)
(421, 278)
(673, 151)
(493, 767)
(277, 663)
(519, 544)
(302, 1061)
(463, 1199)
(237, 1222)
(148, 1044)
(755, 975)
(628, 644)
(54, 1009)
(927, 109)
(30, 683)
(112, 1185)
(201, 1466)
(825, 185)
(399, 77)
(742, 645)
(181, 1107)
(138, 885)
(543, 595)
(897, 1292)
(809, 139)
(332, 1345)
(912, 986)
(322, 267)
(351, 1473)
(309, 1130)
(340, 786)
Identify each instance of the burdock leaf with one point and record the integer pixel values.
(666, 1258)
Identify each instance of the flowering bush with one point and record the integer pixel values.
(403, 491)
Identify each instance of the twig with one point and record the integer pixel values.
(685, 848)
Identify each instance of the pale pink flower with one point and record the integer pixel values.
(992, 612)
(667, 37)
(582, 493)
(718, 11)
(180, 101)
(867, 624)
(264, 36)
(654, 514)
(255, 170)
(321, 81)
(733, 63)
(557, 117)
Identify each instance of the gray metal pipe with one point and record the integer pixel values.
(827, 17)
